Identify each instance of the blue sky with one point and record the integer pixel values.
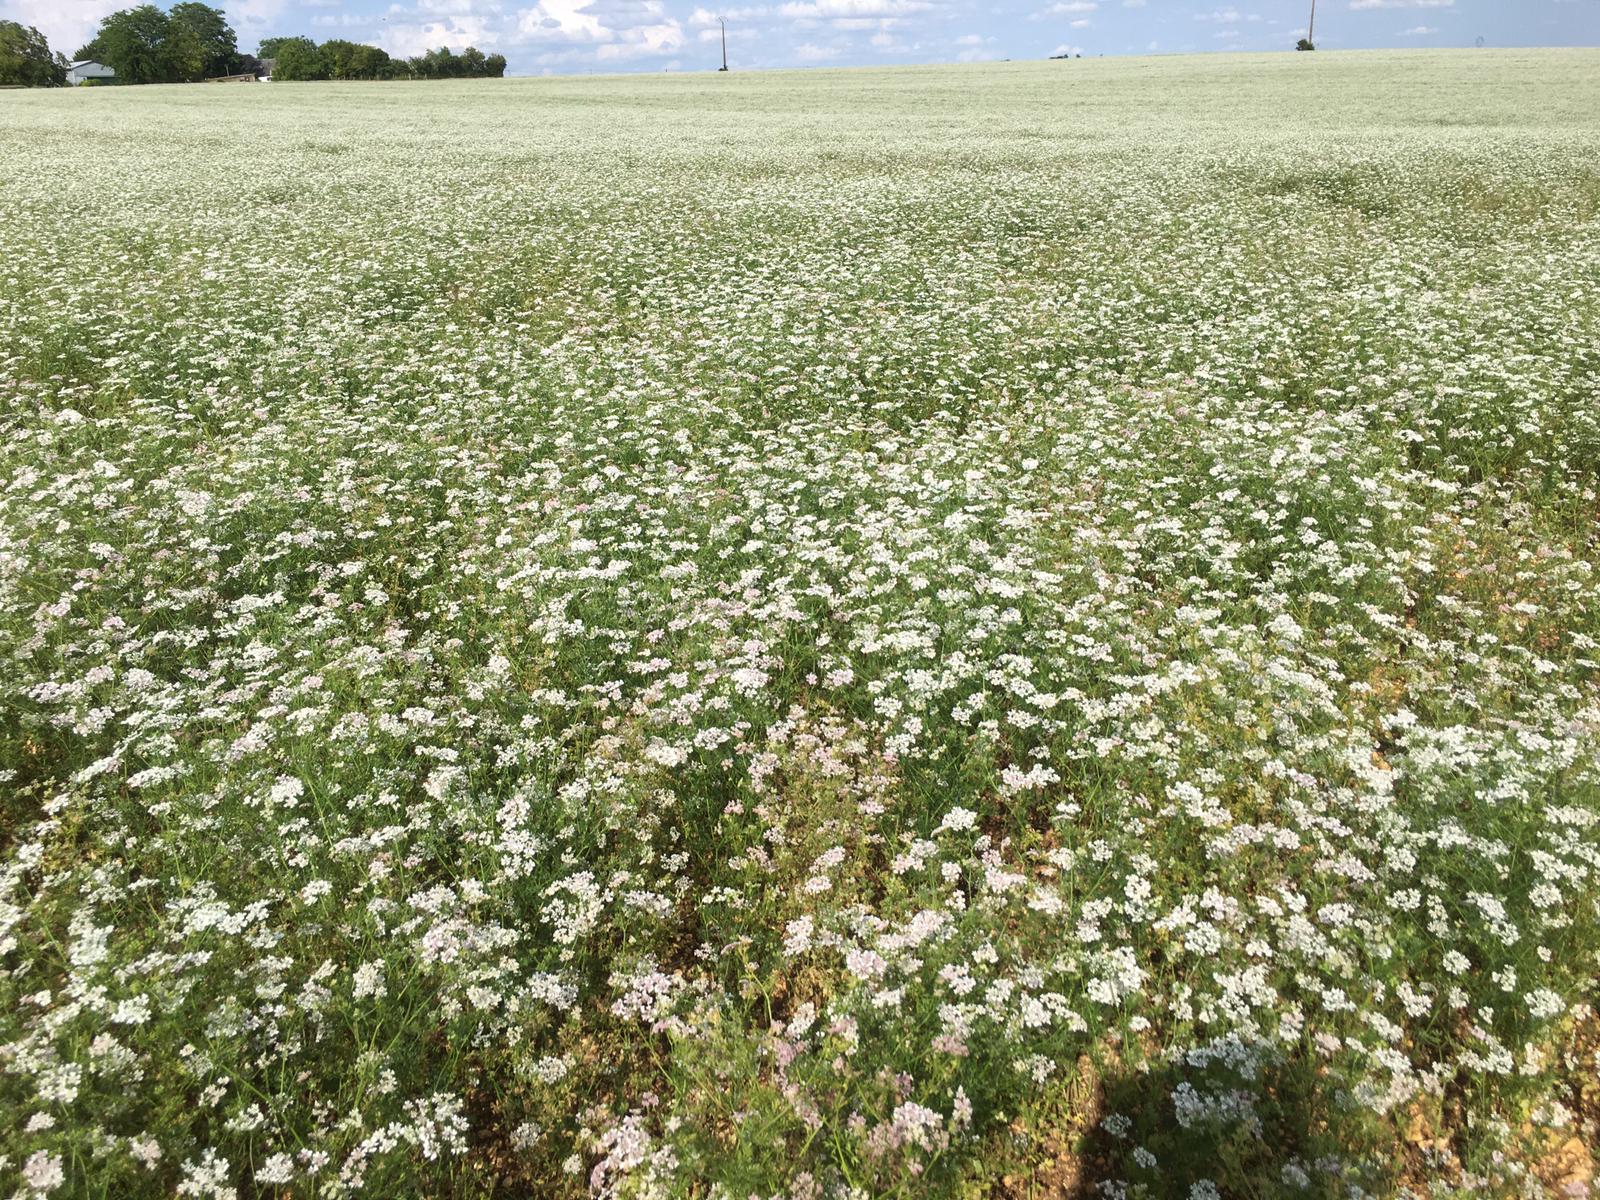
(574, 36)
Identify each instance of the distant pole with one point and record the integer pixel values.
(1311, 27)
(725, 42)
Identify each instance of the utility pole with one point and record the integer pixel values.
(1311, 27)
(724, 24)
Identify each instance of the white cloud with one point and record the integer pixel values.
(709, 19)
(1419, 31)
(642, 41)
(1063, 8)
(1361, 4)
(560, 32)
(975, 48)
(405, 38)
(559, 21)
(66, 25)
(831, 9)
(252, 20)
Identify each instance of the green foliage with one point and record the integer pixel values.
(300, 58)
(134, 43)
(436, 64)
(202, 40)
(469, 64)
(1304, 44)
(297, 59)
(146, 45)
(25, 58)
(351, 60)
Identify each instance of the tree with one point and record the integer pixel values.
(1304, 44)
(146, 45)
(353, 60)
(25, 58)
(370, 62)
(471, 63)
(337, 57)
(132, 42)
(183, 57)
(301, 58)
(202, 41)
(298, 58)
(435, 64)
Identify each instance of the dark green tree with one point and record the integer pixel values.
(373, 62)
(337, 57)
(298, 58)
(435, 64)
(301, 58)
(370, 62)
(352, 60)
(183, 58)
(132, 42)
(202, 41)
(469, 64)
(25, 58)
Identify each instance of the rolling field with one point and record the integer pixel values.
(1014, 631)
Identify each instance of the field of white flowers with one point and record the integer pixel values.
(1015, 631)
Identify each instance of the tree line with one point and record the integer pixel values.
(193, 41)
(189, 42)
(301, 58)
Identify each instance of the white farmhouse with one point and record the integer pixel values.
(86, 69)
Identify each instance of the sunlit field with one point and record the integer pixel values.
(1024, 630)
